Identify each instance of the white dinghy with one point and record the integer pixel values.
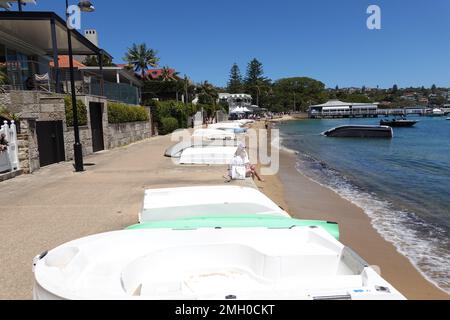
(225, 125)
(213, 134)
(208, 155)
(212, 201)
(220, 242)
(208, 263)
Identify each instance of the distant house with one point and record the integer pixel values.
(409, 96)
(423, 100)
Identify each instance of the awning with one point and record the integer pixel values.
(33, 33)
(335, 108)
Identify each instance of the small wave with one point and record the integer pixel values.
(282, 147)
(419, 241)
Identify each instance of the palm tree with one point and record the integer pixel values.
(141, 57)
(168, 74)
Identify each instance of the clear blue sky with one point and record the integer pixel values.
(324, 39)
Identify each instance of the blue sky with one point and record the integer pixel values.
(324, 39)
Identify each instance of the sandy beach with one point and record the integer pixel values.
(306, 199)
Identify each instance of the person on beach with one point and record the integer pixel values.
(241, 159)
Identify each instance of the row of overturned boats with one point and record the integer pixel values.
(210, 242)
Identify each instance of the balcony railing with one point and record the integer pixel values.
(32, 75)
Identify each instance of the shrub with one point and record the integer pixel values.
(168, 125)
(121, 113)
(173, 109)
(81, 111)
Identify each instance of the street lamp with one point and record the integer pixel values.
(85, 6)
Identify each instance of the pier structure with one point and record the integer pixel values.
(339, 109)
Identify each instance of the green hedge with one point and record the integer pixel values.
(168, 125)
(121, 113)
(81, 111)
(175, 110)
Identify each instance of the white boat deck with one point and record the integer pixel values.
(188, 202)
(208, 155)
(249, 263)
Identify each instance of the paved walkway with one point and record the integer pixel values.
(56, 205)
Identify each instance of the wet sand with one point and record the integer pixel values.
(306, 199)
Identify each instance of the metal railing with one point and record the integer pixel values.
(32, 75)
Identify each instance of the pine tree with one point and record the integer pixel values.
(433, 88)
(255, 82)
(254, 73)
(235, 82)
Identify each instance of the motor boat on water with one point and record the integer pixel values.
(260, 254)
(360, 131)
(436, 112)
(398, 123)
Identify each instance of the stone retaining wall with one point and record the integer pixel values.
(125, 133)
(33, 106)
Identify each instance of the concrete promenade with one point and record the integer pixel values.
(55, 205)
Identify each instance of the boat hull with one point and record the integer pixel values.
(299, 262)
(398, 123)
(360, 132)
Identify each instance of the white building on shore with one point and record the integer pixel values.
(336, 108)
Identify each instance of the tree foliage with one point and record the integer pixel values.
(141, 58)
(168, 75)
(173, 109)
(122, 113)
(305, 91)
(92, 61)
(81, 112)
(168, 125)
(235, 81)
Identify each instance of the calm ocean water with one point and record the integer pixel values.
(403, 184)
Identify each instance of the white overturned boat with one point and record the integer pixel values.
(175, 150)
(235, 126)
(211, 201)
(213, 134)
(210, 155)
(245, 121)
(225, 125)
(252, 256)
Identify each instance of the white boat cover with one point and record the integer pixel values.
(208, 263)
(176, 203)
(213, 134)
(225, 125)
(207, 155)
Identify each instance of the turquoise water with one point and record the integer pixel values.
(403, 184)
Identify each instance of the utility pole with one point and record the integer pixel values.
(186, 90)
